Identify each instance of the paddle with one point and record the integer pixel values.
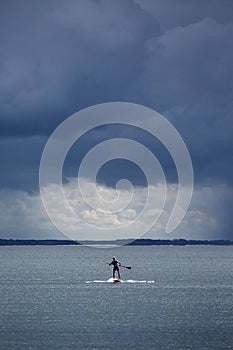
(127, 267)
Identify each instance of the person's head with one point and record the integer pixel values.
(114, 258)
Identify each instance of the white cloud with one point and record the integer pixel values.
(23, 215)
(100, 218)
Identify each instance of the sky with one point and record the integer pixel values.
(59, 57)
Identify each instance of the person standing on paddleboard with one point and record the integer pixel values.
(116, 265)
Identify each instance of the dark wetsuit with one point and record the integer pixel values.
(115, 264)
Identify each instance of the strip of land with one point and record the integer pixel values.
(4, 242)
(119, 242)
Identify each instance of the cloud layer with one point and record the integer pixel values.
(176, 56)
(23, 215)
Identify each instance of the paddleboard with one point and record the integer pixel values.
(115, 280)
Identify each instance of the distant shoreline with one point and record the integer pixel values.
(120, 242)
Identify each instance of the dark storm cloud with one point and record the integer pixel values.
(20, 162)
(59, 57)
(189, 76)
(176, 13)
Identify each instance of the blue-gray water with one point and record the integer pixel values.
(45, 302)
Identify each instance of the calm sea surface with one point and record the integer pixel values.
(58, 298)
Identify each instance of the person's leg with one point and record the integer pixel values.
(113, 273)
(119, 274)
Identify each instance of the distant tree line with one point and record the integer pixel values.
(36, 242)
(137, 242)
(180, 242)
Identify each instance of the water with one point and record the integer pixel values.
(49, 300)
